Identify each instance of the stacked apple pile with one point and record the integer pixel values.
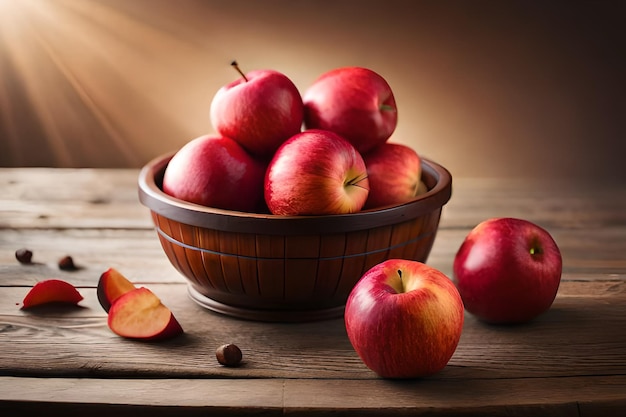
(325, 152)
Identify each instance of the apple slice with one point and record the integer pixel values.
(51, 291)
(111, 285)
(139, 314)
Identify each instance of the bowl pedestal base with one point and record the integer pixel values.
(278, 315)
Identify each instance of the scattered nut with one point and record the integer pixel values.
(229, 355)
(24, 256)
(67, 264)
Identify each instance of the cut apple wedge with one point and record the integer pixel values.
(51, 291)
(111, 285)
(139, 314)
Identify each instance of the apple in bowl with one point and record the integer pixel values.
(316, 172)
(508, 270)
(404, 319)
(260, 110)
(394, 172)
(354, 102)
(215, 171)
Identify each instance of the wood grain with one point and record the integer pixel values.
(59, 198)
(84, 346)
(569, 361)
(137, 253)
(294, 397)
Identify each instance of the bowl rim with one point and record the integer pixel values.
(436, 177)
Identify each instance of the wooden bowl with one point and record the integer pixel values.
(287, 268)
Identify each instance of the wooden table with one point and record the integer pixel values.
(570, 361)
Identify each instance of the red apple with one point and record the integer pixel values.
(316, 172)
(356, 103)
(404, 319)
(394, 171)
(51, 291)
(507, 270)
(260, 110)
(215, 171)
(111, 285)
(139, 314)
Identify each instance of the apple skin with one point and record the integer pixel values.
(139, 314)
(507, 270)
(394, 171)
(404, 319)
(316, 172)
(260, 113)
(215, 171)
(354, 102)
(51, 291)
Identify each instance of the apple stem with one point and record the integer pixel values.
(236, 66)
(387, 107)
(356, 180)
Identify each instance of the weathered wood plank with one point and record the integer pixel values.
(551, 204)
(141, 397)
(569, 361)
(88, 198)
(70, 198)
(137, 253)
(577, 336)
(475, 397)
(573, 396)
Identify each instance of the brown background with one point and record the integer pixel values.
(507, 88)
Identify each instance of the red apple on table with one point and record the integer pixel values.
(215, 171)
(260, 110)
(394, 171)
(111, 286)
(51, 291)
(140, 314)
(354, 102)
(508, 270)
(316, 172)
(404, 319)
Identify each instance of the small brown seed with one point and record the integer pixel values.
(24, 256)
(67, 264)
(229, 355)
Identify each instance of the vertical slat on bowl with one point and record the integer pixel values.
(270, 266)
(400, 234)
(301, 262)
(175, 253)
(229, 262)
(353, 262)
(192, 236)
(378, 240)
(210, 240)
(330, 265)
(246, 247)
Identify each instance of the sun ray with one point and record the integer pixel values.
(78, 87)
(74, 66)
